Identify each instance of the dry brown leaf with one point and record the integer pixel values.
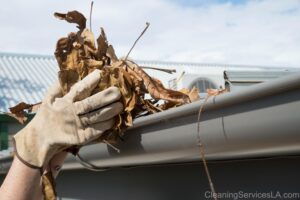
(215, 92)
(88, 39)
(102, 44)
(111, 54)
(151, 108)
(67, 78)
(73, 17)
(19, 111)
(156, 88)
(20, 107)
(193, 93)
(93, 64)
(49, 186)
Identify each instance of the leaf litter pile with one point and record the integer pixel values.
(78, 55)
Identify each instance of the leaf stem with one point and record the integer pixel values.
(147, 26)
(91, 12)
(170, 71)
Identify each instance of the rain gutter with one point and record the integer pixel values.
(260, 121)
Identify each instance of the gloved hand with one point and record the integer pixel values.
(61, 122)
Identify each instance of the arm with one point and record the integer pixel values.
(60, 123)
(21, 182)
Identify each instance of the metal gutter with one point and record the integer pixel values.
(228, 99)
(259, 121)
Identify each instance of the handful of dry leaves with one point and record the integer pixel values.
(77, 55)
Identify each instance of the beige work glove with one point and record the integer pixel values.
(61, 122)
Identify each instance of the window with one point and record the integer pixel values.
(202, 84)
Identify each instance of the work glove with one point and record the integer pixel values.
(62, 122)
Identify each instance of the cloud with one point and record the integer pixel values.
(250, 32)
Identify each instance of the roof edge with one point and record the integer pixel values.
(10, 54)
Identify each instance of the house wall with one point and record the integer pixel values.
(185, 181)
(8, 127)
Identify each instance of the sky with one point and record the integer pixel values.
(257, 32)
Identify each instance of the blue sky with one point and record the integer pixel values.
(257, 32)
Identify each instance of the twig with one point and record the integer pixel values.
(180, 77)
(112, 146)
(170, 71)
(202, 151)
(147, 26)
(91, 11)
